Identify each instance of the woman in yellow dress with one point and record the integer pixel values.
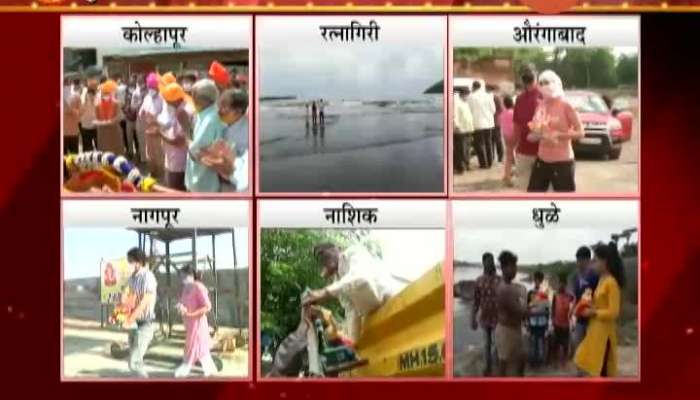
(597, 354)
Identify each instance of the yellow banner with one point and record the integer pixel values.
(114, 276)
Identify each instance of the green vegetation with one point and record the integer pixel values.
(578, 68)
(288, 266)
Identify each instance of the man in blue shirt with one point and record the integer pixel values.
(229, 155)
(584, 278)
(207, 130)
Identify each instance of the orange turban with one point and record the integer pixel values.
(165, 79)
(219, 74)
(168, 78)
(108, 87)
(172, 92)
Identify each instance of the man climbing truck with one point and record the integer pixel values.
(360, 285)
(368, 342)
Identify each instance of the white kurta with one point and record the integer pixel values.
(362, 286)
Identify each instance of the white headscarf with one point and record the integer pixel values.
(555, 87)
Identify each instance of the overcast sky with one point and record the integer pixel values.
(617, 51)
(295, 60)
(496, 225)
(409, 253)
(531, 245)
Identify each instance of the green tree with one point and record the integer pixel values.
(586, 68)
(526, 55)
(575, 68)
(472, 53)
(627, 70)
(603, 74)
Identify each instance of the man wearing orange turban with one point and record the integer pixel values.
(109, 135)
(220, 75)
(168, 78)
(165, 80)
(175, 123)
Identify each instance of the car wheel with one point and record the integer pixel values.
(615, 153)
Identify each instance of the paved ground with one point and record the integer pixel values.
(470, 364)
(469, 361)
(86, 354)
(592, 174)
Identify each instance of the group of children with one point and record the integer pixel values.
(549, 322)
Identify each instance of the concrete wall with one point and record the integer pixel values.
(494, 71)
(82, 297)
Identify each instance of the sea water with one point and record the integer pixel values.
(364, 146)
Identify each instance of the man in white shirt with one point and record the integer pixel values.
(148, 129)
(360, 284)
(483, 109)
(71, 114)
(121, 99)
(88, 116)
(133, 100)
(463, 131)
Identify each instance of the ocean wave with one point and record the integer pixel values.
(298, 109)
(429, 132)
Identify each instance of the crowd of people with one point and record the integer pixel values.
(532, 136)
(193, 307)
(577, 320)
(189, 131)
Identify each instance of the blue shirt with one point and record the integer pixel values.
(140, 283)
(586, 280)
(207, 129)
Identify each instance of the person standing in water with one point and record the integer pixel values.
(511, 310)
(321, 113)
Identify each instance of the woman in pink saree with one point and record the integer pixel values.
(193, 306)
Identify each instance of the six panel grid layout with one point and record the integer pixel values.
(350, 196)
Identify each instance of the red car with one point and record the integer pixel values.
(605, 129)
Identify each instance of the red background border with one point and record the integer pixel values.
(29, 216)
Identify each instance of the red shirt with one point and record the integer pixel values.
(523, 111)
(485, 295)
(561, 307)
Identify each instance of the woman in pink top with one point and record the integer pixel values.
(505, 121)
(193, 306)
(554, 125)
